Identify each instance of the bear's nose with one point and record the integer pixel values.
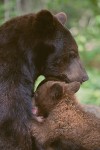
(85, 78)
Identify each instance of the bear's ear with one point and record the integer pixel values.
(74, 86)
(56, 91)
(44, 19)
(62, 17)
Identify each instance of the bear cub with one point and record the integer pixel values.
(66, 118)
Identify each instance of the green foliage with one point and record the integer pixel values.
(90, 91)
(39, 79)
(7, 10)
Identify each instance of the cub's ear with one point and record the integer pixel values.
(44, 20)
(74, 86)
(62, 17)
(56, 91)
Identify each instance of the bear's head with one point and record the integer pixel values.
(55, 49)
(51, 92)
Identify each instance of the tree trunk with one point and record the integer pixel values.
(7, 10)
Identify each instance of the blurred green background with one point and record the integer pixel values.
(83, 22)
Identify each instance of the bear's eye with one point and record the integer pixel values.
(72, 54)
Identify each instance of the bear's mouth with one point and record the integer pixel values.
(61, 79)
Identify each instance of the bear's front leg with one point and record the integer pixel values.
(39, 131)
(45, 132)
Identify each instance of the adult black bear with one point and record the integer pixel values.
(31, 45)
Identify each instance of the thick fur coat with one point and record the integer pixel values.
(67, 120)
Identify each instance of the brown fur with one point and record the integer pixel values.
(67, 120)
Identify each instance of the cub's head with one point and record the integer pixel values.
(56, 52)
(51, 92)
